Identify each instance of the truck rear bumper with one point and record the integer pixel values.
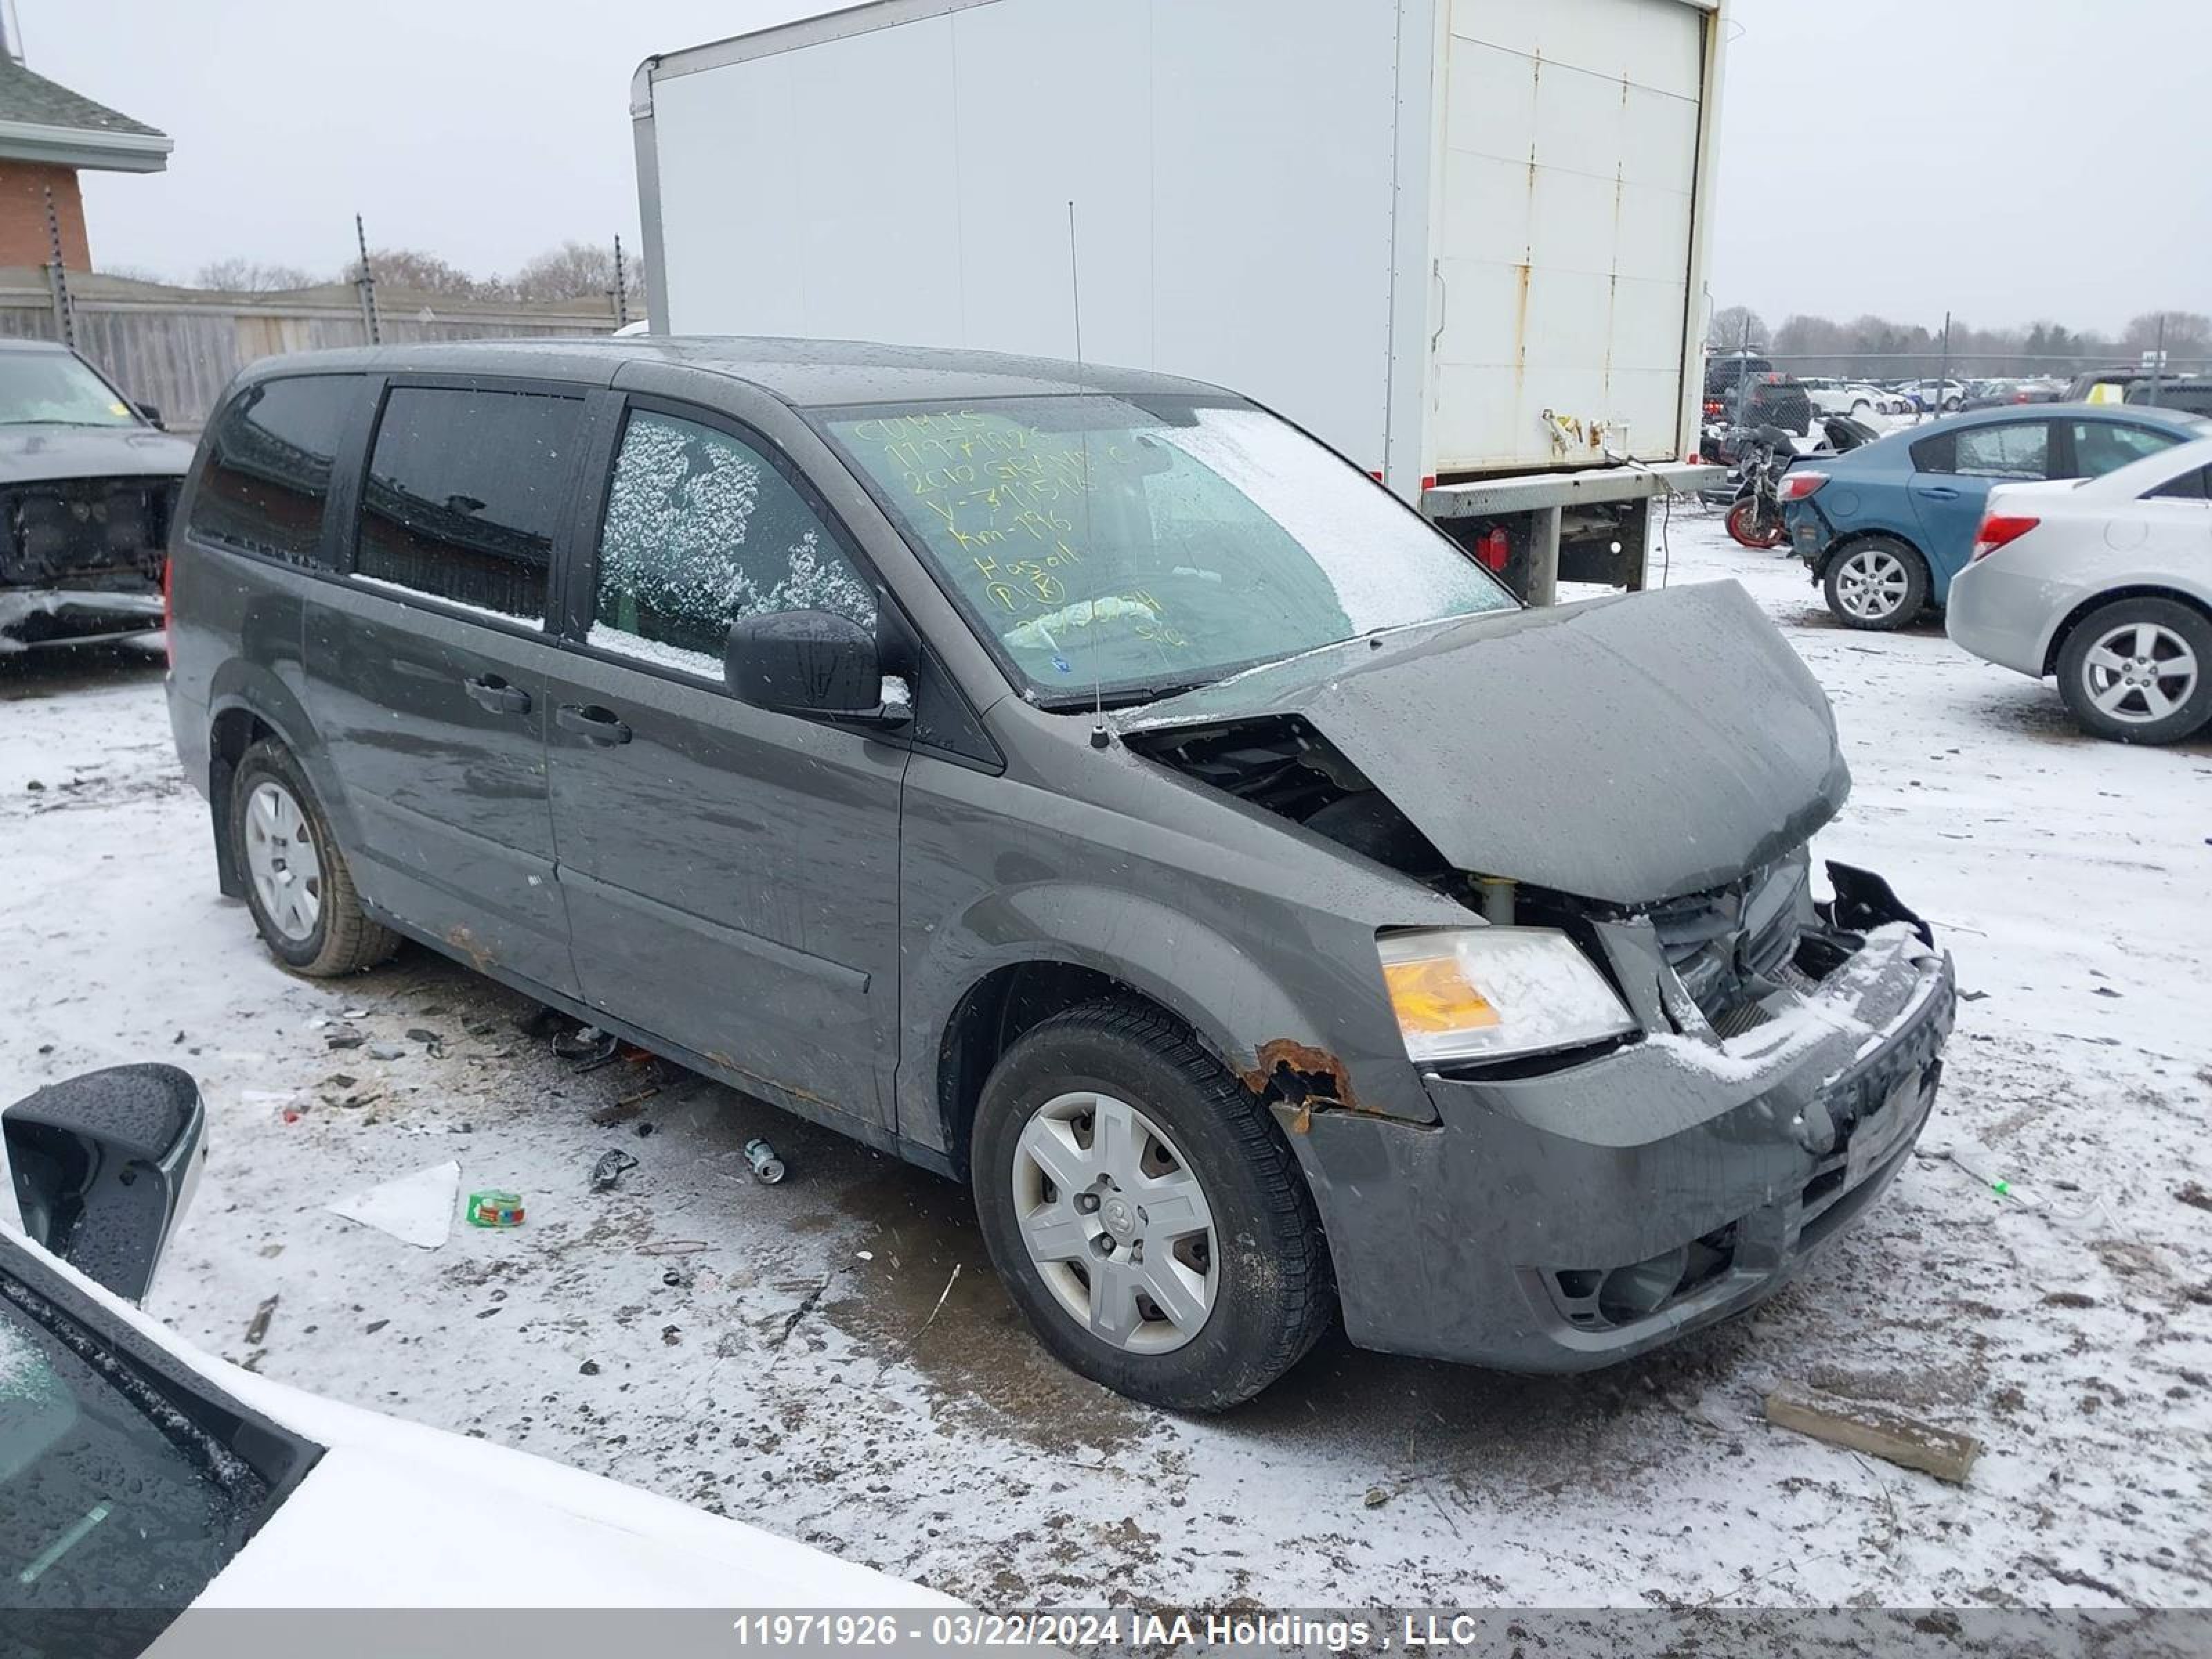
(1535, 492)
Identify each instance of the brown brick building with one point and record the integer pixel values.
(47, 135)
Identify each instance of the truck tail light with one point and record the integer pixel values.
(1493, 548)
(168, 615)
(1999, 530)
(1796, 486)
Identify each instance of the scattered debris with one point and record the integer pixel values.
(610, 1170)
(1875, 1430)
(643, 1130)
(334, 1041)
(671, 1335)
(416, 1209)
(432, 1041)
(587, 1046)
(495, 1208)
(386, 1051)
(257, 1327)
(623, 1110)
(589, 1368)
(672, 1247)
(2193, 1195)
(680, 1278)
(374, 1327)
(939, 1308)
(767, 1168)
(1376, 1498)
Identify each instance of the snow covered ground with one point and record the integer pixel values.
(833, 1358)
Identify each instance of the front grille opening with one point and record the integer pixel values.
(1822, 1185)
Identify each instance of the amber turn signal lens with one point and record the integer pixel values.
(1431, 995)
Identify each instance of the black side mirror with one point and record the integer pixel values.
(812, 662)
(104, 1166)
(149, 414)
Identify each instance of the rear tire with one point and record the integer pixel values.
(297, 882)
(1878, 585)
(1252, 1285)
(2139, 671)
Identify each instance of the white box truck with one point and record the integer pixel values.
(1462, 240)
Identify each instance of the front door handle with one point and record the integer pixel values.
(1939, 492)
(594, 725)
(490, 692)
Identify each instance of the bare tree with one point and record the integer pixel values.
(1735, 327)
(242, 276)
(404, 267)
(574, 271)
(2188, 334)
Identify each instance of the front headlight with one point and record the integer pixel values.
(1487, 993)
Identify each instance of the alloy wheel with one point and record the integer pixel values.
(1872, 584)
(282, 862)
(1116, 1222)
(2139, 672)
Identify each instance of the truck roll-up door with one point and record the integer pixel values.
(1569, 159)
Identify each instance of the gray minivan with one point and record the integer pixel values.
(1087, 785)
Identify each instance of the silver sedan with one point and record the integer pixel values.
(2107, 584)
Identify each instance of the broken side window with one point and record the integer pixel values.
(700, 531)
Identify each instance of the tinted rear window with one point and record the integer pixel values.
(268, 474)
(464, 493)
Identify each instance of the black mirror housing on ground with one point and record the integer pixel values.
(104, 1166)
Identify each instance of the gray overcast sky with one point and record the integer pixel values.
(2010, 159)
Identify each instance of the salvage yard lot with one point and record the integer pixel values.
(833, 1358)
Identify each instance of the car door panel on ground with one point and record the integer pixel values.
(731, 869)
(427, 671)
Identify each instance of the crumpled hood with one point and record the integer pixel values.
(1627, 750)
(30, 453)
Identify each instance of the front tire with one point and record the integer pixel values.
(1143, 1211)
(297, 882)
(1744, 525)
(1878, 584)
(2139, 671)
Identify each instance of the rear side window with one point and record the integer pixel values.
(700, 530)
(2015, 449)
(268, 473)
(2102, 447)
(464, 493)
(2192, 486)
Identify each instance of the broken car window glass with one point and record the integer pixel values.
(702, 531)
(1105, 547)
(463, 492)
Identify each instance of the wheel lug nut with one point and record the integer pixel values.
(1087, 1203)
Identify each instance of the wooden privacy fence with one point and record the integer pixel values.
(177, 348)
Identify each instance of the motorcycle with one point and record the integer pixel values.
(1754, 506)
(1754, 518)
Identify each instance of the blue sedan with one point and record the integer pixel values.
(1885, 528)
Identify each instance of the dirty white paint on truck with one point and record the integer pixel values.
(1462, 240)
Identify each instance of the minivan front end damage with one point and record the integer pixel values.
(1570, 1213)
(1638, 778)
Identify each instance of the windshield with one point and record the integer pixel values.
(110, 1496)
(42, 388)
(1105, 546)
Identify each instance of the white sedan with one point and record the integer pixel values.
(139, 1474)
(2107, 584)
